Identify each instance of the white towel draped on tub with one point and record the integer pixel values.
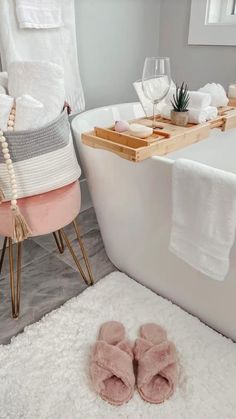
(57, 45)
(39, 14)
(203, 216)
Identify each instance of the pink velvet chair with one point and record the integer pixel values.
(46, 213)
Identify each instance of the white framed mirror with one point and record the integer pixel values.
(212, 22)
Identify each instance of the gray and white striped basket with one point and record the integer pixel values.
(43, 159)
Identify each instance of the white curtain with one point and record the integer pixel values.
(55, 44)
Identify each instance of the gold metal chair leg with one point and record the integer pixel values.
(76, 260)
(88, 279)
(15, 288)
(59, 241)
(3, 254)
(84, 253)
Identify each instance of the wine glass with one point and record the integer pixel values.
(156, 81)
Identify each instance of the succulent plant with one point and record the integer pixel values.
(181, 98)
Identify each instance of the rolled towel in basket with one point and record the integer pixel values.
(30, 113)
(6, 103)
(42, 80)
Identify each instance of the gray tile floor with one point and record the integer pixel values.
(48, 278)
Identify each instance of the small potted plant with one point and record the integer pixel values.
(179, 113)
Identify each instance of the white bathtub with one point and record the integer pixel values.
(133, 206)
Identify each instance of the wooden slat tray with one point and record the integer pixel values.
(165, 140)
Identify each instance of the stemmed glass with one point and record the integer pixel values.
(156, 80)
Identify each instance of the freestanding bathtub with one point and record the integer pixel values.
(133, 206)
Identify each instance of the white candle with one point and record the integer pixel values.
(232, 90)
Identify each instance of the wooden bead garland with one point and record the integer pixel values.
(20, 228)
(4, 146)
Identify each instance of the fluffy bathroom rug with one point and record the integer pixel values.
(44, 371)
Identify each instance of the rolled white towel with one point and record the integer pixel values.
(4, 79)
(212, 112)
(29, 113)
(195, 116)
(2, 90)
(6, 103)
(197, 100)
(217, 93)
(42, 80)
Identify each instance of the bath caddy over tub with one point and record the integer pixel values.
(164, 140)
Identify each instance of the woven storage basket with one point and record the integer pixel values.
(42, 160)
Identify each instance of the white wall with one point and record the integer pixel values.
(196, 64)
(114, 37)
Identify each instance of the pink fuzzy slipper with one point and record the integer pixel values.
(157, 364)
(111, 367)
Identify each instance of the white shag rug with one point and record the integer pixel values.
(44, 371)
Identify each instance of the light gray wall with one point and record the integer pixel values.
(195, 64)
(114, 37)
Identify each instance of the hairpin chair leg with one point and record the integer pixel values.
(84, 253)
(59, 241)
(3, 254)
(15, 288)
(89, 280)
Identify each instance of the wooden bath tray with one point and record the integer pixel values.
(163, 141)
